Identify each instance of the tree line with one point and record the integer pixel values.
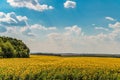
(11, 47)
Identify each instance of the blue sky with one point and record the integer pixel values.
(63, 25)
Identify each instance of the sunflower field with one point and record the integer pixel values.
(59, 68)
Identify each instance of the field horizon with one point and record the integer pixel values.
(78, 54)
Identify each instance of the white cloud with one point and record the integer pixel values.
(13, 30)
(31, 4)
(11, 19)
(101, 28)
(40, 27)
(22, 18)
(32, 30)
(55, 36)
(52, 28)
(70, 4)
(16, 24)
(115, 26)
(74, 29)
(70, 33)
(27, 31)
(9, 22)
(99, 43)
(110, 18)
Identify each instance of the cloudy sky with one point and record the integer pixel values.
(89, 26)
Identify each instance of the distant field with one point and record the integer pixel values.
(60, 68)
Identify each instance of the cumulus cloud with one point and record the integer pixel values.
(55, 36)
(13, 30)
(16, 24)
(70, 33)
(74, 29)
(27, 31)
(101, 28)
(97, 43)
(115, 26)
(40, 27)
(70, 4)
(11, 19)
(31, 4)
(110, 18)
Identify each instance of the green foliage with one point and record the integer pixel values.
(10, 47)
(58, 75)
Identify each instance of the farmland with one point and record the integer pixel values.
(41, 67)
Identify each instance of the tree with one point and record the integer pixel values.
(10, 47)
